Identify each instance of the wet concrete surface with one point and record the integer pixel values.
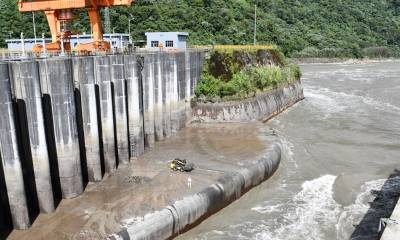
(147, 184)
(392, 230)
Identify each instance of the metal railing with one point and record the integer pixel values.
(7, 55)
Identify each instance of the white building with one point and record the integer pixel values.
(167, 39)
(118, 40)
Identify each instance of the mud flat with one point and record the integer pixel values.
(146, 200)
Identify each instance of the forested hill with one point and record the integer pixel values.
(297, 26)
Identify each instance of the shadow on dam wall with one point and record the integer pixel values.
(382, 207)
(81, 137)
(69, 121)
(5, 213)
(51, 149)
(98, 117)
(26, 159)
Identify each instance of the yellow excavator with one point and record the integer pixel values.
(60, 14)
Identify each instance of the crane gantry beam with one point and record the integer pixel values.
(46, 5)
(59, 14)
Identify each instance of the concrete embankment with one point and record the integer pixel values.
(260, 107)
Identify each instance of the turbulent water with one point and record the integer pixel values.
(338, 174)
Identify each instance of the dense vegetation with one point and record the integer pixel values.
(333, 28)
(239, 74)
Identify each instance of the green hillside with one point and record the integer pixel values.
(298, 27)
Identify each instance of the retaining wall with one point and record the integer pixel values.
(175, 219)
(67, 121)
(260, 107)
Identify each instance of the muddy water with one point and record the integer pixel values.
(341, 145)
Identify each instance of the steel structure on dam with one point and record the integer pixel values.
(66, 121)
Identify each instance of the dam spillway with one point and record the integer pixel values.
(67, 121)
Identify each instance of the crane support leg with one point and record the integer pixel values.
(53, 24)
(95, 21)
(98, 43)
(55, 29)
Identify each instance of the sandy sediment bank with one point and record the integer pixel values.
(230, 159)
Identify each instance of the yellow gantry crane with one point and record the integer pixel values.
(59, 15)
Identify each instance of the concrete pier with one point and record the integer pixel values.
(181, 75)
(166, 79)
(57, 82)
(148, 100)
(188, 77)
(26, 88)
(103, 79)
(9, 154)
(120, 103)
(83, 71)
(133, 77)
(158, 97)
(174, 100)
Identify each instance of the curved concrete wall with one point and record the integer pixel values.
(261, 107)
(174, 219)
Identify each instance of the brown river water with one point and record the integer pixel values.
(338, 174)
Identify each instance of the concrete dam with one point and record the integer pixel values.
(67, 121)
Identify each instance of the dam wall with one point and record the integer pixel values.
(69, 121)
